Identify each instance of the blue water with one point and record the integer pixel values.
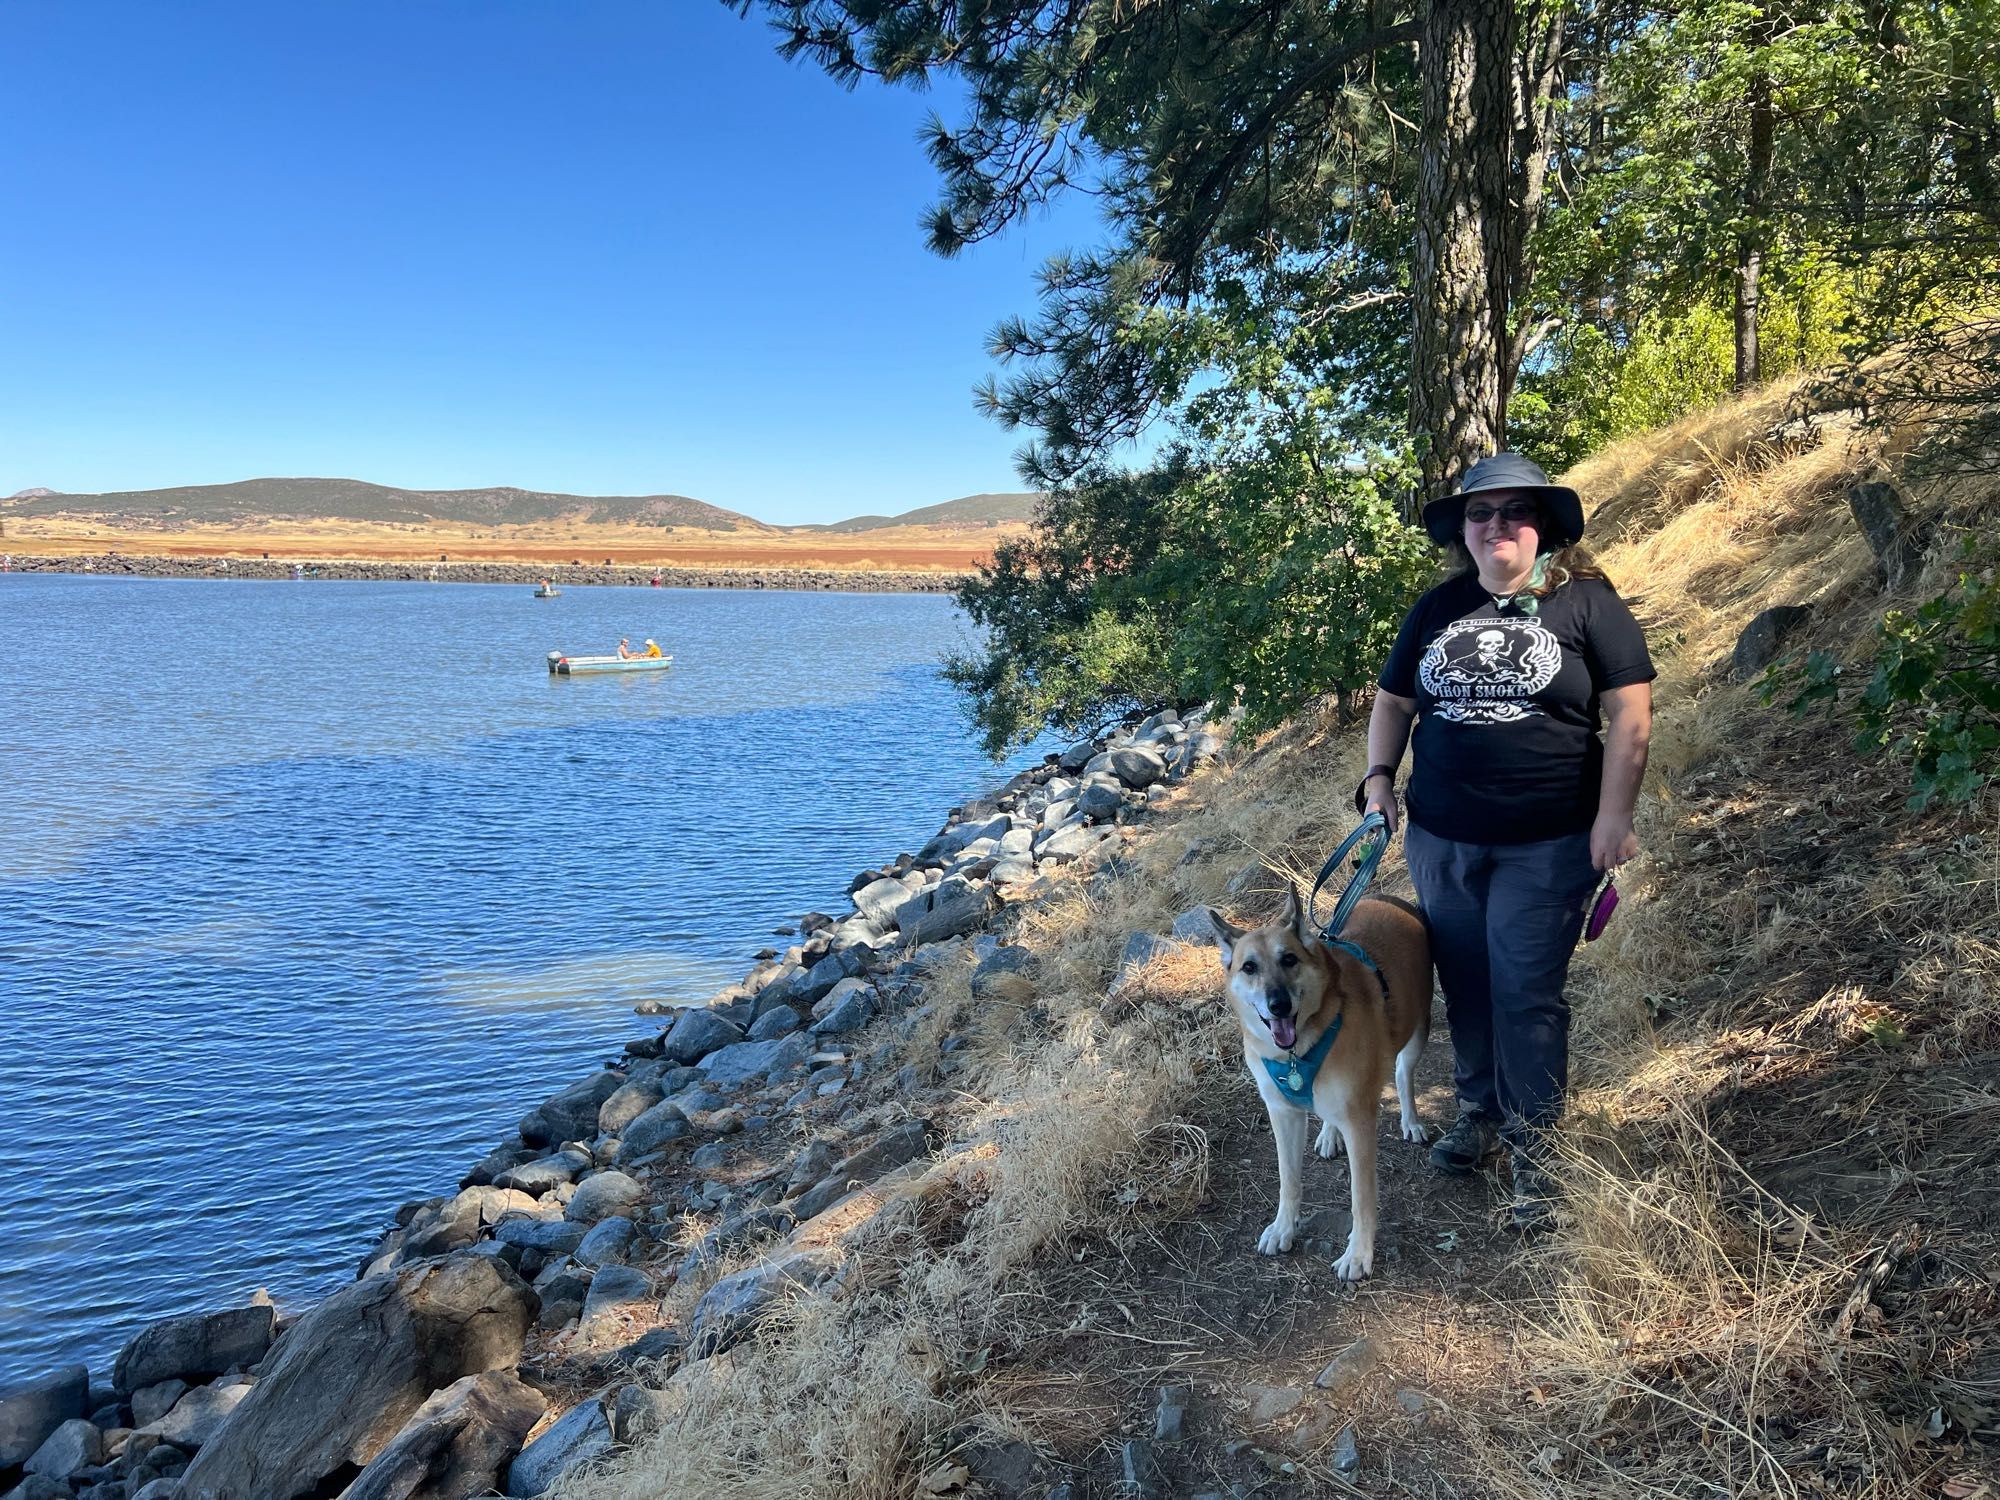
(309, 891)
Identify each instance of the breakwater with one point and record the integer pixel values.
(567, 575)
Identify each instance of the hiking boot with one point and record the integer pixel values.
(1463, 1147)
(1534, 1205)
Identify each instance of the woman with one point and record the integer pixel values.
(1515, 804)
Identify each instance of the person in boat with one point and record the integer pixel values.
(1507, 670)
(652, 647)
(625, 651)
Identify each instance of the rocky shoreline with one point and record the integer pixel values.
(835, 580)
(502, 1336)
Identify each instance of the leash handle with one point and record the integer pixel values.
(1372, 825)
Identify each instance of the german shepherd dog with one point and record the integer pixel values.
(1290, 988)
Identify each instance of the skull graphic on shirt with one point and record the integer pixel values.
(1487, 671)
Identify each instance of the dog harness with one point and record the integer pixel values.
(1294, 1076)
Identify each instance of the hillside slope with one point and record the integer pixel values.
(357, 500)
(1776, 1269)
(970, 510)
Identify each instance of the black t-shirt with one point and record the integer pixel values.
(1506, 748)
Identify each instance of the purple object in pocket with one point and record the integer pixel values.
(1601, 910)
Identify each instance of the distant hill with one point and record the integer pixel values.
(356, 500)
(972, 510)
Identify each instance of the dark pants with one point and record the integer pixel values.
(1504, 920)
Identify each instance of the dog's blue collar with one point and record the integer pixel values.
(1294, 1075)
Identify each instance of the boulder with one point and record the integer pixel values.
(756, 1061)
(967, 913)
(731, 1309)
(1193, 926)
(1897, 544)
(698, 1033)
(849, 1007)
(353, 1370)
(199, 1415)
(152, 1402)
(197, 1347)
(1077, 756)
(1764, 637)
(543, 1175)
(1099, 803)
(76, 1444)
(1137, 766)
(572, 1114)
(456, 1444)
(778, 1021)
(1005, 961)
(614, 1292)
(581, 1435)
(1141, 948)
(30, 1412)
(664, 1122)
(1072, 842)
(627, 1102)
(601, 1196)
(878, 900)
(550, 1236)
(608, 1240)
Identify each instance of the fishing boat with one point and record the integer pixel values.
(547, 591)
(578, 666)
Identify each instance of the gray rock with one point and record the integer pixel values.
(614, 1292)
(1137, 766)
(1170, 1414)
(698, 1033)
(1897, 544)
(827, 973)
(1346, 1454)
(664, 1122)
(968, 913)
(878, 900)
(76, 1444)
(496, 1161)
(1764, 638)
(1099, 803)
(813, 1162)
(1141, 1471)
(353, 1370)
(199, 1415)
(779, 1020)
(758, 1061)
(550, 1236)
(164, 1488)
(1141, 948)
(152, 1402)
(1004, 1470)
(627, 1102)
(1010, 958)
(637, 1412)
(1060, 813)
(1072, 843)
(197, 1347)
(1012, 871)
(456, 1444)
(1077, 756)
(602, 1196)
(733, 1307)
(1343, 1375)
(581, 1436)
(540, 1176)
(892, 1149)
(1193, 926)
(850, 1010)
(572, 1114)
(1270, 1402)
(608, 1240)
(39, 1487)
(741, 1229)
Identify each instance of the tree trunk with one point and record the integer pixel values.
(1750, 243)
(1460, 267)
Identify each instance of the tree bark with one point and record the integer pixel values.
(1460, 268)
(1750, 243)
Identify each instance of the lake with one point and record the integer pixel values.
(309, 891)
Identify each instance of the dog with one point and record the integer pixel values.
(1291, 988)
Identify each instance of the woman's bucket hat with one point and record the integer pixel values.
(1496, 477)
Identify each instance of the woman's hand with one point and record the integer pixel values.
(1380, 796)
(1612, 841)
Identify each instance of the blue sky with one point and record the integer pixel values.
(604, 246)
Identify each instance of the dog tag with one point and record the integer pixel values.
(1295, 1080)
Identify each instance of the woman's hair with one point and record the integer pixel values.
(1564, 563)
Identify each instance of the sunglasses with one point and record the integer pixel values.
(1601, 908)
(1516, 511)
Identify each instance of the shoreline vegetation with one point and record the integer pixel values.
(958, 1194)
(842, 579)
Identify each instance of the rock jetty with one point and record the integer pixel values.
(565, 575)
(499, 1337)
